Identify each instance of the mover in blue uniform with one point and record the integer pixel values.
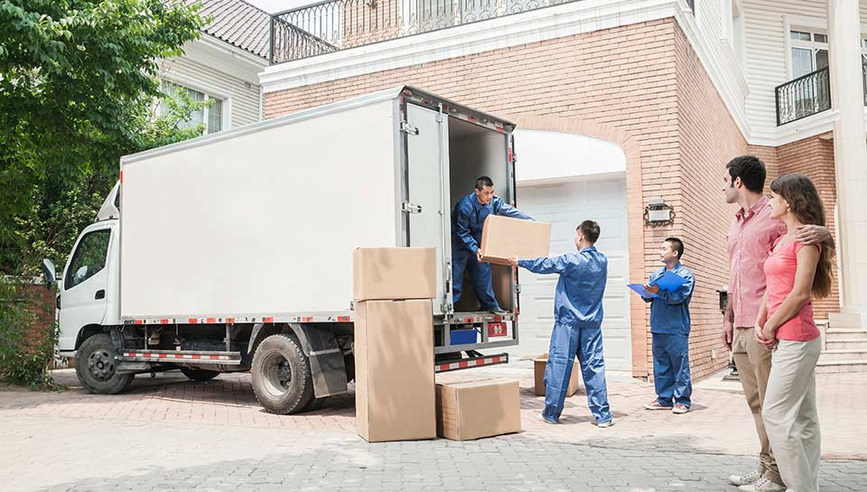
(669, 327)
(578, 324)
(467, 219)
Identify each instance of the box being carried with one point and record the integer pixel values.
(394, 273)
(541, 362)
(478, 409)
(503, 237)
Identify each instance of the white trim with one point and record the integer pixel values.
(528, 27)
(539, 25)
(810, 126)
(225, 58)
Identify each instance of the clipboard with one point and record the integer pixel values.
(640, 290)
(670, 281)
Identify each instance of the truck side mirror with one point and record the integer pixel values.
(48, 272)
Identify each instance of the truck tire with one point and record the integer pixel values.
(196, 374)
(281, 375)
(96, 366)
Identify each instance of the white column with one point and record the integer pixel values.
(850, 158)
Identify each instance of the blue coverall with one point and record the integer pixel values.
(669, 327)
(468, 217)
(577, 329)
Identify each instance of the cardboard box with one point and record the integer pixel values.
(394, 273)
(394, 370)
(575, 381)
(503, 237)
(478, 409)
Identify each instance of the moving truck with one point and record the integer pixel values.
(233, 251)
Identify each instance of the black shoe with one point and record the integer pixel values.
(498, 310)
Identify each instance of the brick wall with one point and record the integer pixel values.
(813, 157)
(709, 138)
(626, 80)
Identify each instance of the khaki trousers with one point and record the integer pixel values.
(790, 413)
(754, 366)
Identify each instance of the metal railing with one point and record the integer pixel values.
(808, 95)
(804, 96)
(339, 24)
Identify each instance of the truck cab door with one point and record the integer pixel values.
(85, 280)
(427, 201)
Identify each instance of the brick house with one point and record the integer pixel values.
(621, 103)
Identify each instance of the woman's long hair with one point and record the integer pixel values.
(805, 204)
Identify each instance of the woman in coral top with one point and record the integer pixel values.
(795, 273)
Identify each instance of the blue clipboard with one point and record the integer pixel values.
(640, 290)
(670, 281)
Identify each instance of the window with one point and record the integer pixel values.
(809, 52)
(88, 259)
(211, 116)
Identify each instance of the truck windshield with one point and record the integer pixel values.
(89, 258)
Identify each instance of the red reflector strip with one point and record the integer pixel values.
(306, 319)
(212, 320)
(268, 319)
(121, 177)
(192, 321)
(139, 322)
(149, 355)
(230, 320)
(343, 319)
(164, 321)
(470, 363)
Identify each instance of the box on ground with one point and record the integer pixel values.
(503, 237)
(394, 273)
(575, 381)
(478, 409)
(394, 370)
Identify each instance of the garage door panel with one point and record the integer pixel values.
(565, 205)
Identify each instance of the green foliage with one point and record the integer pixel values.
(26, 341)
(77, 90)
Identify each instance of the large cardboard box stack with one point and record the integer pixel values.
(503, 237)
(394, 352)
(541, 363)
(477, 409)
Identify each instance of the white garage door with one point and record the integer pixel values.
(565, 205)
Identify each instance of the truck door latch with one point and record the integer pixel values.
(407, 128)
(410, 208)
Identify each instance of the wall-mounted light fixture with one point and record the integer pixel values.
(657, 213)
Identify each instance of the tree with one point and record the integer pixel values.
(77, 90)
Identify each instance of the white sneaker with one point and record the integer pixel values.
(762, 485)
(747, 479)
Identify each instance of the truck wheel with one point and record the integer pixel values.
(197, 374)
(96, 366)
(281, 375)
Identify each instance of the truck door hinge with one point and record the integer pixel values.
(407, 128)
(410, 208)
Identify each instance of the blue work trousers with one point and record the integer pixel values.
(480, 275)
(671, 369)
(567, 341)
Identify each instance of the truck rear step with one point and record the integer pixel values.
(473, 362)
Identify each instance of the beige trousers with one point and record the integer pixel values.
(790, 414)
(754, 366)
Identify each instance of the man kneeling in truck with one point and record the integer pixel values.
(468, 217)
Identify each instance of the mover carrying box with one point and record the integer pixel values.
(503, 237)
(541, 362)
(394, 273)
(478, 409)
(394, 370)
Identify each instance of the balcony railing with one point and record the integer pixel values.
(804, 96)
(808, 95)
(339, 24)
